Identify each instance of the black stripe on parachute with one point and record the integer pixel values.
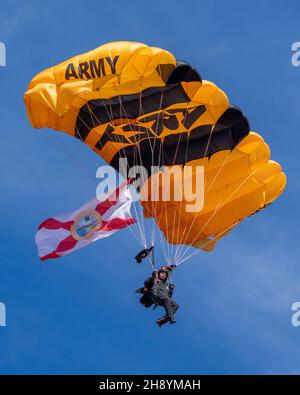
(178, 148)
(147, 148)
(101, 111)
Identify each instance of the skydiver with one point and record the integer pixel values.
(158, 290)
(162, 292)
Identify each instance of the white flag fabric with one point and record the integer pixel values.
(62, 234)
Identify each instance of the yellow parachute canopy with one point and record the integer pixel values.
(129, 100)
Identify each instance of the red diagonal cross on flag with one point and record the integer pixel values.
(60, 235)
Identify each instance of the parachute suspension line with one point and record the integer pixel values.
(165, 211)
(205, 154)
(139, 161)
(154, 221)
(139, 219)
(184, 238)
(163, 242)
(138, 212)
(177, 259)
(176, 247)
(87, 171)
(78, 134)
(216, 212)
(152, 259)
(180, 251)
(217, 209)
(181, 202)
(191, 225)
(152, 162)
(84, 169)
(219, 171)
(92, 114)
(141, 112)
(209, 241)
(139, 223)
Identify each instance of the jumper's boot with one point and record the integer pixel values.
(163, 320)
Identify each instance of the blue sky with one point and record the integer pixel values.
(79, 314)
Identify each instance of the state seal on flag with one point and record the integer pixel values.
(86, 224)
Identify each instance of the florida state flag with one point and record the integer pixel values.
(60, 235)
